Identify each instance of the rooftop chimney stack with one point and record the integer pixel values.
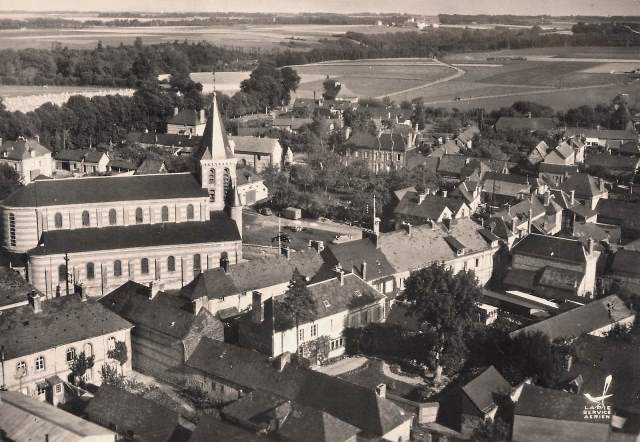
(381, 390)
(573, 197)
(224, 264)
(36, 302)
(601, 185)
(341, 277)
(591, 245)
(364, 270)
(155, 287)
(547, 198)
(568, 362)
(202, 116)
(82, 292)
(175, 111)
(257, 312)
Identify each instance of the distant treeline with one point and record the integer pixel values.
(123, 65)
(528, 20)
(439, 42)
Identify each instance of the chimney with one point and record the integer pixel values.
(514, 223)
(364, 270)
(201, 115)
(82, 292)
(175, 111)
(341, 277)
(407, 227)
(285, 251)
(568, 362)
(591, 246)
(381, 390)
(224, 264)
(36, 302)
(529, 115)
(257, 312)
(421, 197)
(445, 193)
(547, 198)
(318, 246)
(573, 197)
(155, 287)
(282, 360)
(601, 185)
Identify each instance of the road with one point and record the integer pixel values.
(459, 73)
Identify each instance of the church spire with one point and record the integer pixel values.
(215, 143)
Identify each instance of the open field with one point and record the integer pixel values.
(597, 52)
(28, 98)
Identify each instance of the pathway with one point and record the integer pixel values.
(343, 366)
(398, 377)
(459, 73)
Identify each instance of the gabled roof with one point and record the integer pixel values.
(87, 155)
(151, 166)
(309, 424)
(564, 150)
(551, 248)
(62, 321)
(212, 283)
(13, 287)
(106, 189)
(505, 184)
(557, 169)
(293, 123)
(431, 207)
(174, 140)
(265, 146)
(393, 141)
(351, 254)
(165, 313)
(353, 404)
(584, 185)
(219, 229)
(186, 117)
(21, 149)
(23, 417)
(630, 148)
(483, 388)
(552, 404)
(215, 143)
(561, 279)
(129, 412)
(581, 320)
(603, 134)
(615, 162)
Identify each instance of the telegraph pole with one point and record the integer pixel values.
(66, 272)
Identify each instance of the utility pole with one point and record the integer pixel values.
(279, 238)
(66, 272)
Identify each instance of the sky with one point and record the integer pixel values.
(424, 7)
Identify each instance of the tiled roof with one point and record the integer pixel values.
(186, 117)
(210, 429)
(431, 207)
(557, 169)
(551, 248)
(166, 313)
(355, 405)
(23, 417)
(505, 184)
(133, 414)
(630, 148)
(13, 287)
(86, 155)
(581, 320)
(121, 164)
(219, 229)
(62, 321)
(151, 166)
(266, 146)
(174, 140)
(351, 254)
(560, 278)
(294, 123)
(616, 162)
(21, 149)
(106, 189)
(564, 150)
(426, 245)
(626, 262)
(551, 404)
(482, 388)
(309, 424)
(525, 123)
(385, 141)
(603, 134)
(213, 283)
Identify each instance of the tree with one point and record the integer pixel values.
(491, 431)
(119, 353)
(444, 303)
(79, 365)
(297, 302)
(331, 88)
(9, 180)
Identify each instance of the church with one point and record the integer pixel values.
(100, 232)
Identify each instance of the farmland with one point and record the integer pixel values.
(28, 98)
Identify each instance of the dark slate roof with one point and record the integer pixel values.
(615, 162)
(120, 164)
(524, 123)
(151, 166)
(584, 185)
(551, 404)
(13, 287)
(483, 388)
(623, 212)
(351, 254)
(603, 134)
(626, 262)
(525, 279)
(166, 313)
(309, 424)
(551, 248)
(630, 148)
(558, 169)
(219, 229)
(128, 412)
(386, 141)
(210, 429)
(21, 149)
(505, 184)
(430, 208)
(265, 146)
(62, 321)
(213, 283)
(106, 189)
(353, 404)
(86, 155)
(580, 320)
(187, 117)
(559, 278)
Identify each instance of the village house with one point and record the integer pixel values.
(595, 318)
(28, 157)
(150, 166)
(422, 207)
(602, 137)
(187, 122)
(480, 398)
(345, 301)
(250, 187)
(167, 326)
(461, 244)
(131, 416)
(39, 341)
(227, 372)
(121, 166)
(178, 144)
(103, 231)
(382, 153)
(470, 192)
(538, 153)
(23, 418)
(557, 416)
(536, 213)
(81, 161)
(500, 188)
(290, 124)
(623, 166)
(587, 189)
(260, 153)
(553, 267)
(569, 152)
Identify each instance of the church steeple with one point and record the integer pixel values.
(215, 160)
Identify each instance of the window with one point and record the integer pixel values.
(301, 334)
(165, 214)
(117, 268)
(113, 217)
(336, 344)
(171, 264)
(144, 266)
(314, 330)
(40, 363)
(62, 273)
(12, 229)
(58, 388)
(227, 182)
(91, 271)
(326, 303)
(212, 195)
(139, 216)
(197, 265)
(477, 262)
(88, 349)
(21, 369)
(57, 220)
(86, 220)
(41, 389)
(190, 214)
(212, 176)
(71, 354)
(111, 343)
